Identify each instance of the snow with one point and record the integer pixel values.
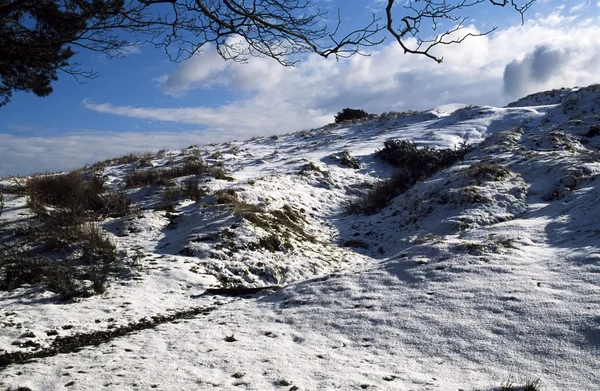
(462, 283)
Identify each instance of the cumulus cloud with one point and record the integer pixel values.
(195, 72)
(534, 69)
(208, 69)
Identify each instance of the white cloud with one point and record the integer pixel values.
(578, 7)
(553, 51)
(534, 69)
(195, 72)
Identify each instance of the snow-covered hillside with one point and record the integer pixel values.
(485, 274)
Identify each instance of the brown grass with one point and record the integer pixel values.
(148, 177)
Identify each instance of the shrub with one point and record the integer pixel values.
(405, 154)
(117, 204)
(414, 165)
(488, 171)
(529, 385)
(126, 159)
(62, 249)
(349, 114)
(97, 248)
(75, 254)
(16, 269)
(17, 187)
(593, 131)
(345, 159)
(311, 167)
(71, 195)
(190, 189)
(381, 195)
(139, 178)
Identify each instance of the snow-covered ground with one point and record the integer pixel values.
(465, 282)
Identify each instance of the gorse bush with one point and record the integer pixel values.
(349, 114)
(413, 165)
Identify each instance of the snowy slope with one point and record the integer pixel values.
(469, 280)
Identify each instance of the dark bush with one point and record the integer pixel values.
(72, 256)
(414, 165)
(405, 154)
(593, 131)
(141, 178)
(381, 195)
(17, 269)
(349, 114)
(345, 159)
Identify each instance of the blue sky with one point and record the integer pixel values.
(144, 102)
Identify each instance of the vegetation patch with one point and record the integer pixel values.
(148, 177)
(350, 114)
(492, 244)
(281, 224)
(593, 131)
(355, 243)
(405, 154)
(345, 159)
(71, 195)
(529, 385)
(189, 189)
(413, 165)
(16, 186)
(62, 248)
(311, 167)
(271, 243)
(72, 261)
(482, 172)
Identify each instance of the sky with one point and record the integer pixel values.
(144, 102)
